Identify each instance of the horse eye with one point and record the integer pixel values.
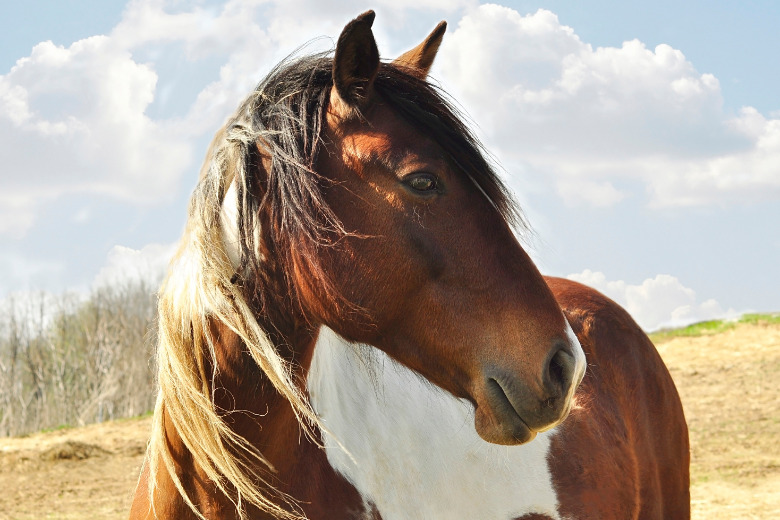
(423, 182)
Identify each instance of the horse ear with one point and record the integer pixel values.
(420, 59)
(355, 64)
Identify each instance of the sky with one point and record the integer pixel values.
(643, 141)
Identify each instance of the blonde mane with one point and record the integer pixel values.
(200, 287)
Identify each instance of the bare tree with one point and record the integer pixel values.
(74, 360)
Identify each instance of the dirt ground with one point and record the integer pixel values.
(729, 385)
(730, 388)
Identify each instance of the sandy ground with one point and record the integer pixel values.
(729, 384)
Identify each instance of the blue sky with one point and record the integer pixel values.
(648, 169)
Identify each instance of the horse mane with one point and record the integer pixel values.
(268, 150)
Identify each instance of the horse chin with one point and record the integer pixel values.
(502, 426)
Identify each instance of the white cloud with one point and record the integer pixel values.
(72, 121)
(17, 214)
(230, 35)
(587, 117)
(662, 301)
(743, 176)
(575, 192)
(127, 265)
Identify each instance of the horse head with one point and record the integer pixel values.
(413, 250)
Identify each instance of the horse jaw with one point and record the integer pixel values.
(413, 449)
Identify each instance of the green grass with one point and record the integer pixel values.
(57, 428)
(136, 417)
(713, 327)
(68, 426)
(771, 319)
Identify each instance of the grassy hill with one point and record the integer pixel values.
(703, 328)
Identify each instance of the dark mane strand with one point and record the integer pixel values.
(286, 113)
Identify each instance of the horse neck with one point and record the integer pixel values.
(259, 413)
(272, 427)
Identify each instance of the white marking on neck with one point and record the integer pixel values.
(228, 220)
(229, 225)
(416, 452)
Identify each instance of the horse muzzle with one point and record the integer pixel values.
(514, 408)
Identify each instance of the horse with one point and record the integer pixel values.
(351, 329)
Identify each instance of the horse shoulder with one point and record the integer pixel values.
(623, 452)
(141, 508)
(168, 503)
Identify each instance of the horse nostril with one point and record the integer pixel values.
(559, 372)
